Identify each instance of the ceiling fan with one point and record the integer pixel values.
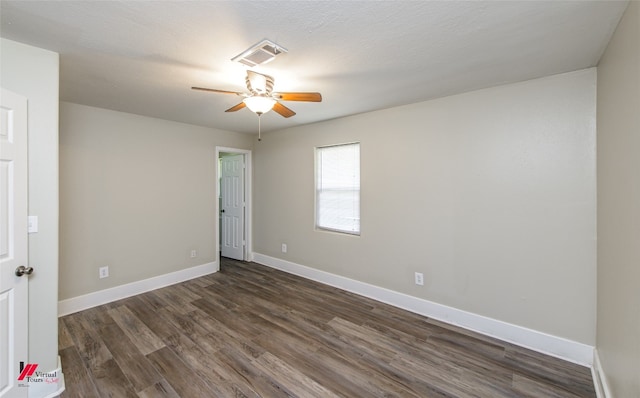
(261, 98)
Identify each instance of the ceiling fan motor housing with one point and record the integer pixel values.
(259, 84)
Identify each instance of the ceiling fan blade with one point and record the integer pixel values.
(236, 107)
(283, 110)
(309, 97)
(218, 91)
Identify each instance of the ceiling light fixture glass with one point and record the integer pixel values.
(259, 104)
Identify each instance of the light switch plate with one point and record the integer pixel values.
(33, 224)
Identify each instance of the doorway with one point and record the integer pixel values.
(234, 203)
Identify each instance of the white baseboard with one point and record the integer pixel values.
(75, 304)
(600, 378)
(538, 341)
(52, 385)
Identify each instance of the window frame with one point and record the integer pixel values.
(317, 176)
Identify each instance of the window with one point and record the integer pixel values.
(338, 188)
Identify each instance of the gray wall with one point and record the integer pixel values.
(618, 332)
(33, 73)
(491, 194)
(137, 194)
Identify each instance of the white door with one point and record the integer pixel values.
(232, 206)
(13, 243)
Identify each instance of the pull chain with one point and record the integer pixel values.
(259, 118)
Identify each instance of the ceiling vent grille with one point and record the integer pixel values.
(259, 54)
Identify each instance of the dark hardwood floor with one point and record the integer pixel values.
(251, 331)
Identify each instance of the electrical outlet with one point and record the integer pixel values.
(284, 247)
(419, 278)
(194, 253)
(103, 272)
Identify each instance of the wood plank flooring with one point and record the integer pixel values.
(251, 331)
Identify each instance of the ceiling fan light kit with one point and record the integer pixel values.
(261, 99)
(260, 93)
(259, 104)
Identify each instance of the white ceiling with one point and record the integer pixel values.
(142, 57)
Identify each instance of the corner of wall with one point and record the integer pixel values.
(599, 377)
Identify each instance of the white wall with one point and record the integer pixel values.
(137, 195)
(33, 73)
(490, 194)
(618, 337)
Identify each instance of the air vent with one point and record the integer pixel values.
(259, 54)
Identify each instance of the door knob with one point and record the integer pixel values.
(22, 270)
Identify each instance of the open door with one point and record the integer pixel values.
(14, 268)
(232, 206)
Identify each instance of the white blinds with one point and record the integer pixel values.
(338, 188)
